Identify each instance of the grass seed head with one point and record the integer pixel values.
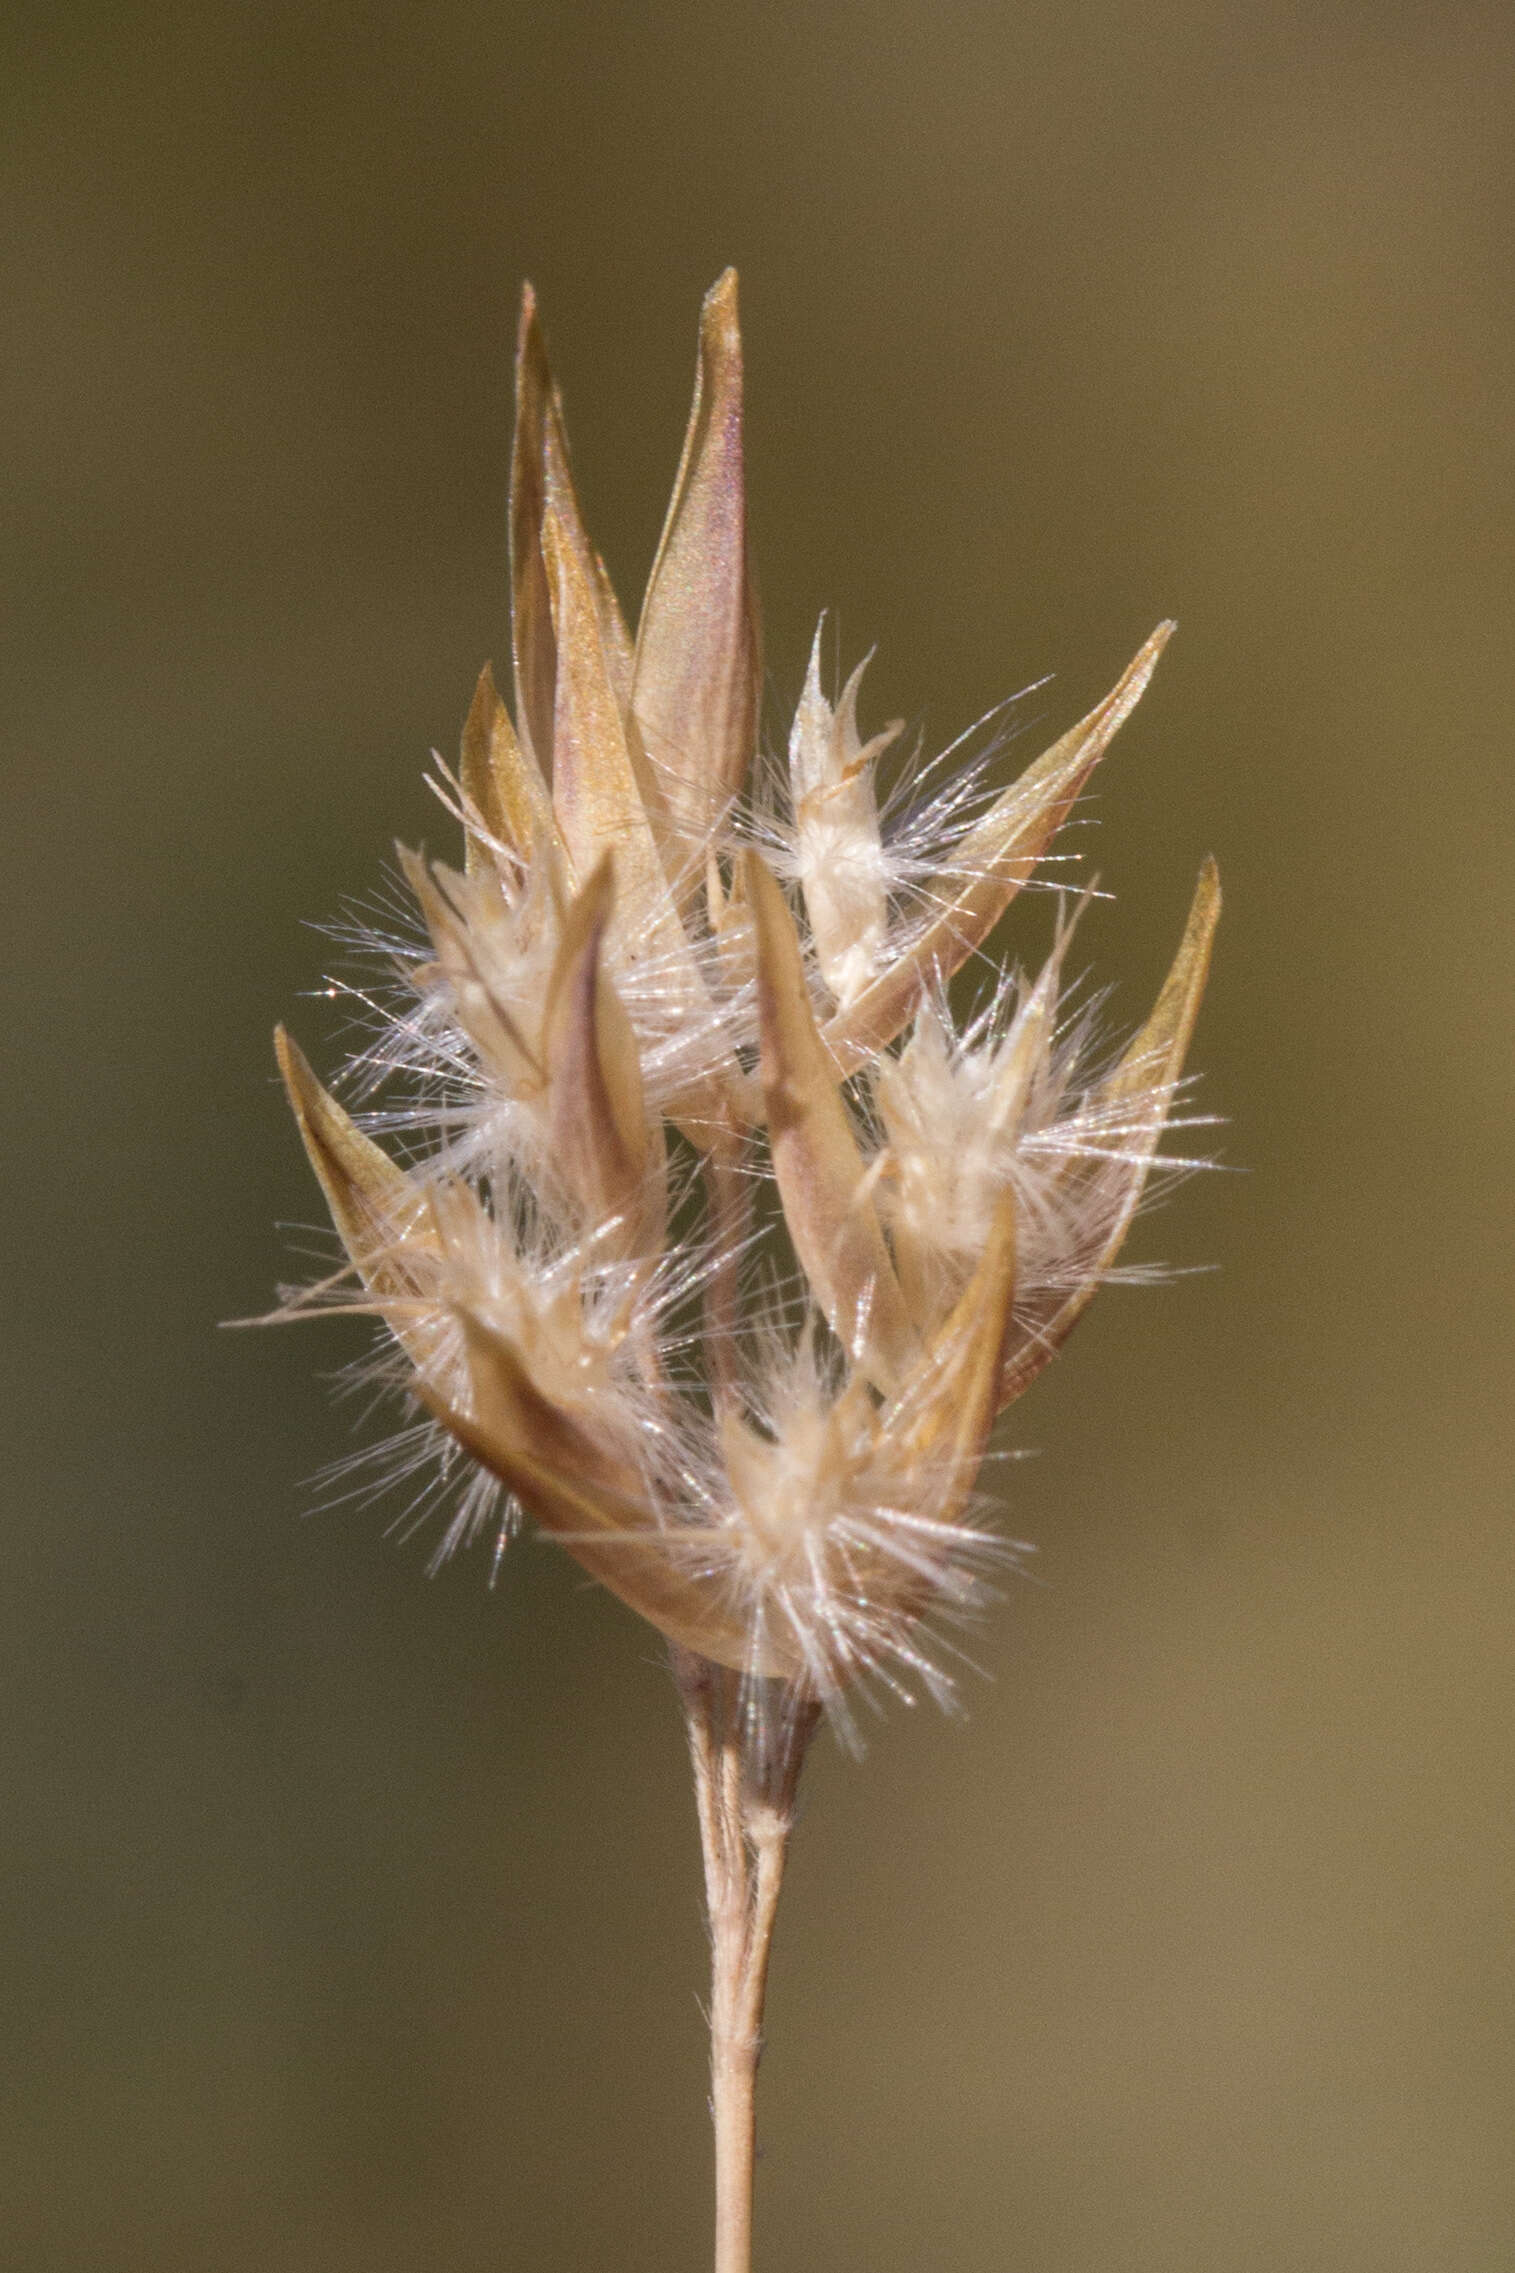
(640, 1003)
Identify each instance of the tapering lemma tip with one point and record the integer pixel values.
(1146, 658)
(481, 705)
(302, 1091)
(529, 348)
(1205, 905)
(1118, 704)
(1191, 968)
(719, 320)
(300, 1084)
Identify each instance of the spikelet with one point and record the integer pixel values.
(620, 1005)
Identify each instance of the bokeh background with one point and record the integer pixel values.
(351, 1919)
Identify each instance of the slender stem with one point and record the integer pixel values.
(745, 1774)
(735, 2046)
(739, 1985)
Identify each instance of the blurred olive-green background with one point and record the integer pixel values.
(351, 1919)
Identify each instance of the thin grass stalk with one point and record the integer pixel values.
(745, 1803)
